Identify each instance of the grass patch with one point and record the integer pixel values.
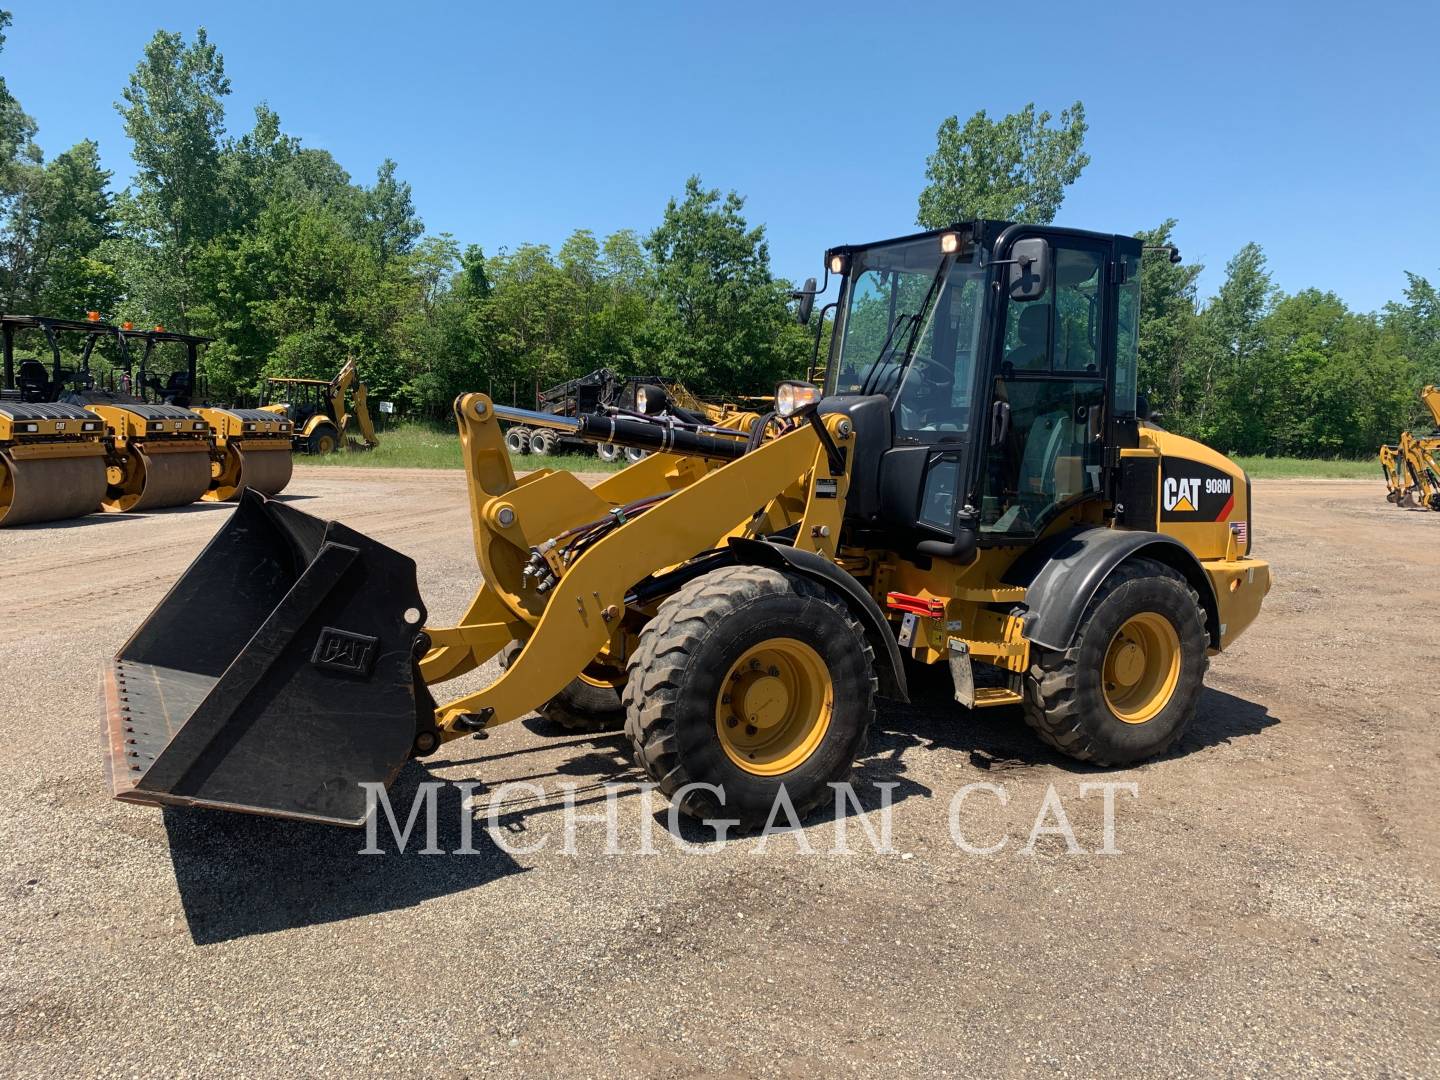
(1311, 468)
(420, 446)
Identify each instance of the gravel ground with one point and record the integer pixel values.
(1273, 908)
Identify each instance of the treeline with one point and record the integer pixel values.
(273, 249)
(1254, 370)
(270, 247)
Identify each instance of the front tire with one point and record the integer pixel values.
(753, 681)
(607, 451)
(1128, 686)
(634, 454)
(517, 440)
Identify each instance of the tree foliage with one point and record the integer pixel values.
(273, 249)
(1014, 169)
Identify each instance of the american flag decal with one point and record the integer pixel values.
(1240, 529)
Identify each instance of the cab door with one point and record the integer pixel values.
(1051, 367)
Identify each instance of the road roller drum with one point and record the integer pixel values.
(252, 450)
(52, 463)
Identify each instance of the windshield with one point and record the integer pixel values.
(897, 310)
(936, 386)
(889, 286)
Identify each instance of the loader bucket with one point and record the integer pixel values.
(277, 676)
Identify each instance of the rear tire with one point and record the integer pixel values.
(1128, 686)
(582, 707)
(323, 440)
(634, 454)
(517, 440)
(809, 679)
(607, 451)
(542, 443)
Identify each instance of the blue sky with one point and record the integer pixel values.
(1308, 127)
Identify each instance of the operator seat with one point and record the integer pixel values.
(33, 381)
(1033, 332)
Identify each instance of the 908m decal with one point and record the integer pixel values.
(1190, 491)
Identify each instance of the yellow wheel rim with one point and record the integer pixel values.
(1142, 667)
(774, 706)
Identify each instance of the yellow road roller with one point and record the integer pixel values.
(974, 489)
(249, 448)
(157, 450)
(52, 457)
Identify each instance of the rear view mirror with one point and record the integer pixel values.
(806, 298)
(1029, 271)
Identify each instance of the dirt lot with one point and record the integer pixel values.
(1274, 908)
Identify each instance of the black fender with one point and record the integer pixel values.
(1062, 573)
(888, 666)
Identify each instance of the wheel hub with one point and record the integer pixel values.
(774, 706)
(764, 701)
(1128, 664)
(1142, 667)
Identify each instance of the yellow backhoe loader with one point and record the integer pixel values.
(1412, 466)
(52, 453)
(972, 488)
(317, 409)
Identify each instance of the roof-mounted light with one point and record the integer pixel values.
(949, 243)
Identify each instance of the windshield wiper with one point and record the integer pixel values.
(874, 367)
(913, 329)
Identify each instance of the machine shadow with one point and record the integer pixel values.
(99, 518)
(999, 739)
(240, 875)
(992, 740)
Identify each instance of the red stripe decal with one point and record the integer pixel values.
(1229, 505)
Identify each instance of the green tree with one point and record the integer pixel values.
(1169, 325)
(53, 235)
(174, 114)
(1328, 381)
(16, 128)
(1415, 325)
(1016, 168)
(720, 319)
(1230, 388)
(390, 215)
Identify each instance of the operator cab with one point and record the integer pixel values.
(29, 378)
(162, 349)
(988, 367)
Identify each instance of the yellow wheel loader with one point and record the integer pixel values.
(1412, 466)
(972, 488)
(52, 454)
(317, 409)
